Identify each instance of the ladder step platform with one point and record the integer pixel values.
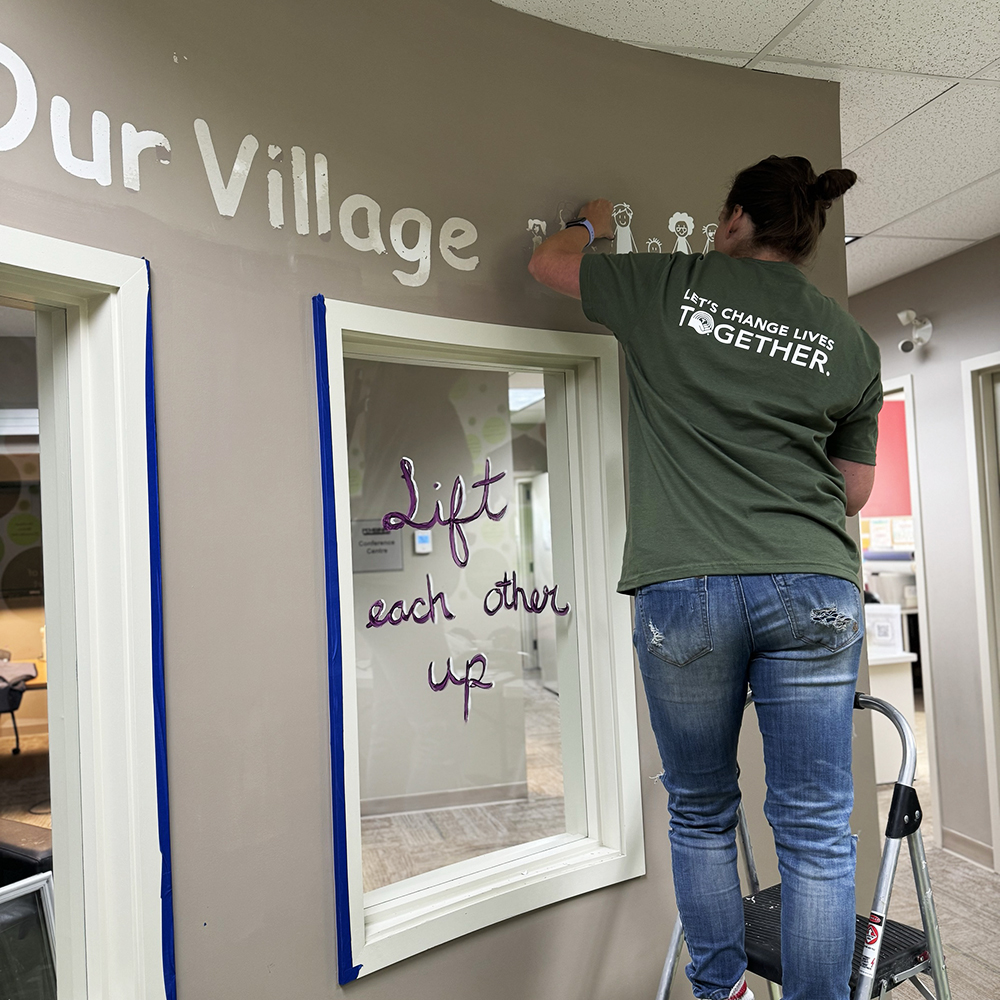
(904, 949)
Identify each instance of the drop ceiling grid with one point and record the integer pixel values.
(738, 61)
(951, 142)
(925, 150)
(870, 102)
(724, 25)
(719, 24)
(956, 38)
(876, 259)
(972, 213)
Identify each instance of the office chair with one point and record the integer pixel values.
(14, 676)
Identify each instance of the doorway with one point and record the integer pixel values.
(94, 583)
(25, 816)
(896, 599)
(981, 388)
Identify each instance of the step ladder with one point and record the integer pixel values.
(886, 953)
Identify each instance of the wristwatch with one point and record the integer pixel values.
(583, 222)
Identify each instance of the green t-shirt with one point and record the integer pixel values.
(743, 381)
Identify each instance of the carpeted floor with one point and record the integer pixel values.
(24, 780)
(399, 846)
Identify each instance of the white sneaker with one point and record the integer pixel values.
(741, 991)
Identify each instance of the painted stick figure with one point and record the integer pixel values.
(537, 229)
(653, 245)
(709, 232)
(682, 226)
(624, 241)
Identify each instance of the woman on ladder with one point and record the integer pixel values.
(753, 406)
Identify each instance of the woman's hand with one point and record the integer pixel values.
(556, 262)
(598, 214)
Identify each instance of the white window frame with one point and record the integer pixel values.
(386, 925)
(91, 310)
(42, 885)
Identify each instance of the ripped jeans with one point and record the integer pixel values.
(795, 638)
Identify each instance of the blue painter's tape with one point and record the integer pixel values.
(159, 703)
(347, 970)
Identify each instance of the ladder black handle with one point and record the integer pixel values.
(908, 768)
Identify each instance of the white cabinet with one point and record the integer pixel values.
(891, 678)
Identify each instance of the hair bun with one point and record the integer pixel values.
(831, 184)
(786, 203)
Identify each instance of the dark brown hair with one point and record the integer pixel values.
(787, 203)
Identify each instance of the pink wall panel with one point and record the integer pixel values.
(891, 494)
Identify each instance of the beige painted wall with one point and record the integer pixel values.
(960, 295)
(456, 107)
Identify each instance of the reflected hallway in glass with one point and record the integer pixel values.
(401, 845)
(452, 771)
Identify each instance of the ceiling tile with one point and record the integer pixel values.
(973, 213)
(869, 102)
(729, 60)
(878, 258)
(950, 37)
(947, 144)
(991, 72)
(729, 25)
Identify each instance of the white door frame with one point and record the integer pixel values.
(984, 498)
(903, 385)
(91, 309)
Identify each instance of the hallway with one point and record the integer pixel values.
(966, 895)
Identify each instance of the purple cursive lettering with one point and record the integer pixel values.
(507, 594)
(468, 681)
(396, 519)
(399, 612)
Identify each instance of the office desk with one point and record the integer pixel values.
(41, 682)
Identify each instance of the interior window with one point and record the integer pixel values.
(463, 601)
(483, 729)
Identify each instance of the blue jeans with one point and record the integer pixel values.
(795, 639)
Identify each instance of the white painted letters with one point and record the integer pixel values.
(300, 190)
(133, 143)
(348, 209)
(18, 127)
(412, 243)
(457, 234)
(275, 191)
(227, 196)
(321, 176)
(97, 169)
(419, 252)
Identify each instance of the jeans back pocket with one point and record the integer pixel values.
(822, 610)
(673, 621)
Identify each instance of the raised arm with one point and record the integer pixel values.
(556, 262)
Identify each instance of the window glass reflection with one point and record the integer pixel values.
(460, 619)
